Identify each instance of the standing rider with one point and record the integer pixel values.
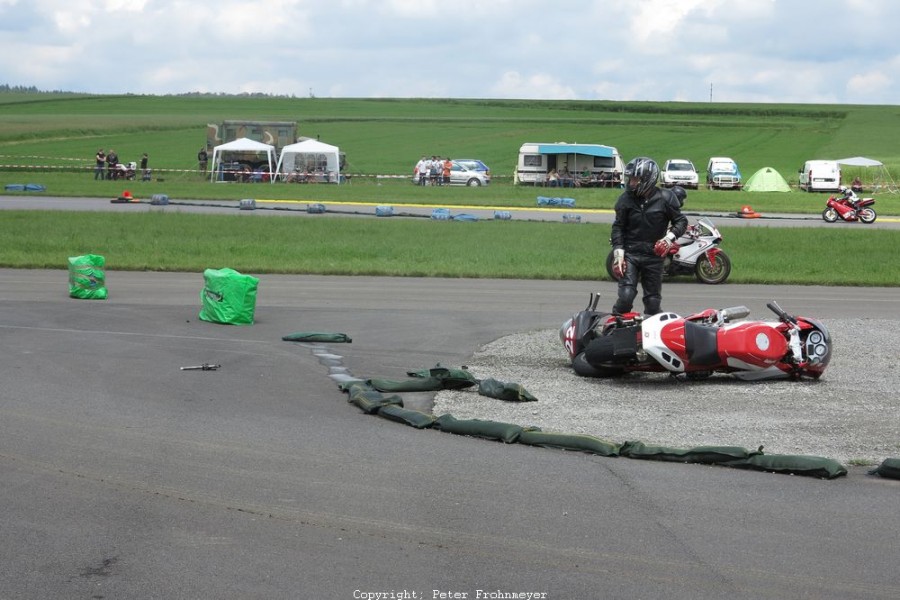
(648, 220)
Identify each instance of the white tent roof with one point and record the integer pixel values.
(289, 153)
(243, 145)
(860, 161)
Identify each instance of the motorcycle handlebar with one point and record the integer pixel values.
(781, 314)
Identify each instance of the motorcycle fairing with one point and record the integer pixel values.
(675, 342)
(753, 344)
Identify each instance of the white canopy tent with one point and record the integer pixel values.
(311, 157)
(882, 179)
(242, 145)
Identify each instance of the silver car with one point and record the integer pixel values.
(468, 172)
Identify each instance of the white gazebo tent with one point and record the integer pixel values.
(882, 179)
(242, 145)
(312, 157)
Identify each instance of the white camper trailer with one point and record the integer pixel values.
(593, 165)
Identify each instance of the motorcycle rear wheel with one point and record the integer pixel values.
(867, 215)
(830, 215)
(710, 273)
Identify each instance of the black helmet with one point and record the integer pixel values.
(646, 171)
(680, 193)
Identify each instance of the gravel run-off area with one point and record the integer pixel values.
(851, 414)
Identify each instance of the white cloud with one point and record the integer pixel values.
(749, 50)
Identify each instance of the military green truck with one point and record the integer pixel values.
(275, 133)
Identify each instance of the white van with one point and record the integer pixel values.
(820, 176)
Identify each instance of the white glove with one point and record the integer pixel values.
(661, 248)
(618, 265)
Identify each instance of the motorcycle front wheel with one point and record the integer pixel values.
(582, 367)
(867, 215)
(713, 273)
(830, 215)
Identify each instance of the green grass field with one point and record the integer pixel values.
(52, 138)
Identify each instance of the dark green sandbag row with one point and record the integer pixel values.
(450, 379)
(407, 416)
(369, 400)
(889, 468)
(569, 441)
(792, 464)
(490, 430)
(707, 455)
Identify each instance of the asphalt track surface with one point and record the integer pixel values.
(124, 476)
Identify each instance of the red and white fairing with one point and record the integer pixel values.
(753, 350)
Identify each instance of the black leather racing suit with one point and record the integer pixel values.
(639, 223)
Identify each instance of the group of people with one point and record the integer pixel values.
(433, 171)
(107, 166)
(585, 179)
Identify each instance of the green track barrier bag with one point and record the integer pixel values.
(451, 379)
(414, 384)
(370, 401)
(413, 418)
(228, 297)
(87, 279)
(792, 464)
(569, 441)
(490, 430)
(511, 392)
(707, 455)
(889, 468)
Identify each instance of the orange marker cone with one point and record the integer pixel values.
(747, 212)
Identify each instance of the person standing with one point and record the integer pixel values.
(648, 220)
(421, 171)
(445, 170)
(202, 160)
(112, 165)
(99, 165)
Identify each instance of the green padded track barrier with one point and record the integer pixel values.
(413, 418)
(491, 430)
(569, 441)
(708, 455)
(792, 464)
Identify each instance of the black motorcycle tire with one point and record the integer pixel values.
(706, 272)
(867, 215)
(585, 369)
(829, 215)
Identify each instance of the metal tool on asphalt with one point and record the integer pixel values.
(203, 367)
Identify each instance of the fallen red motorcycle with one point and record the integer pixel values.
(711, 341)
(848, 209)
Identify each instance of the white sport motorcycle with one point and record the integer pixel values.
(697, 253)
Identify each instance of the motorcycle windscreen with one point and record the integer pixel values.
(758, 345)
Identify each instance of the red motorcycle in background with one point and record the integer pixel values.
(849, 207)
(711, 341)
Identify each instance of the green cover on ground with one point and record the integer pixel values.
(87, 280)
(228, 297)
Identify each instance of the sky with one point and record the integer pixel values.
(767, 51)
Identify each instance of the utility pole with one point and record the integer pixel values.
(710, 92)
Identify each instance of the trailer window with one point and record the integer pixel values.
(533, 160)
(602, 162)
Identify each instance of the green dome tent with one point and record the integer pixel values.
(766, 179)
